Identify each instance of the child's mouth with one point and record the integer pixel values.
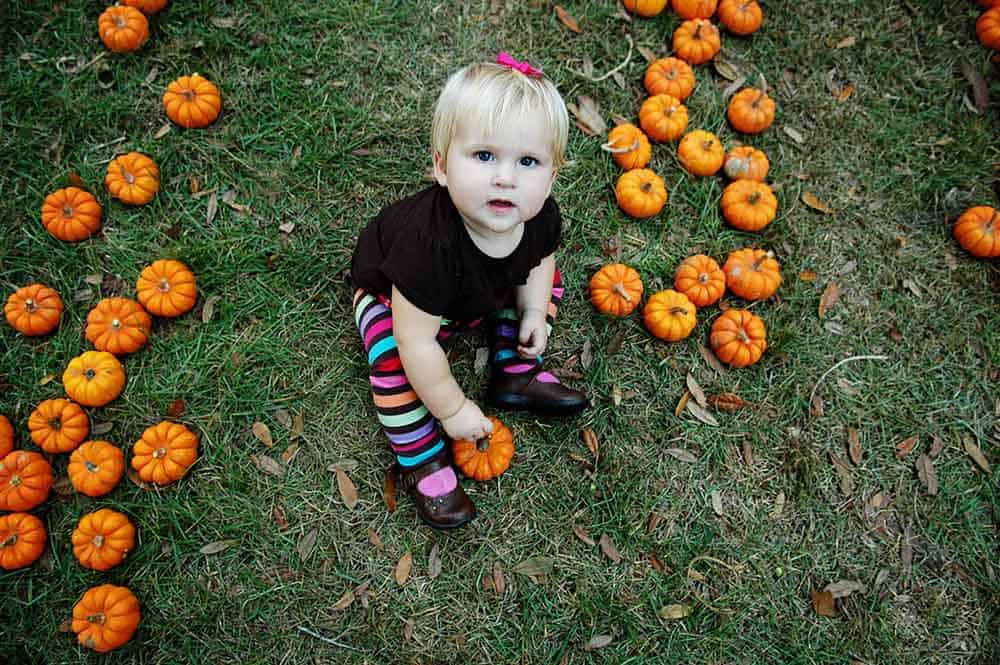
(501, 204)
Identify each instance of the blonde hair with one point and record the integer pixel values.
(488, 94)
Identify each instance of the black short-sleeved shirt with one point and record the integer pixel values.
(420, 246)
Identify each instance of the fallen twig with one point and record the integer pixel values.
(611, 72)
(326, 639)
(845, 360)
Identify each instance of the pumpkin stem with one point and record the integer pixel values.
(116, 324)
(754, 197)
(189, 95)
(159, 453)
(614, 150)
(120, 22)
(697, 31)
(90, 466)
(760, 97)
(89, 374)
(619, 288)
(15, 481)
(703, 278)
(9, 542)
(67, 210)
(743, 336)
(164, 285)
(483, 444)
(98, 540)
(707, 144)
(55, 423)
(100, 618)
(646, 187)
(129, 178)
(993, 220)
(31, 305)
(678, 311)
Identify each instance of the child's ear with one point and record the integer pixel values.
(552, 181)
(440, 169)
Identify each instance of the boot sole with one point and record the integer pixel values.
(518, 402)
(446, 527)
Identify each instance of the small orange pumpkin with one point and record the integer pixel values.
(738, 337)
(71, 214)
(615, 289)
(34, 310)
(6, 436)
(147, 7)
(123, 28)
(749, 205)
(489, 456)
(988, 28)
(164, 453)
(102, 539)
(94, 378)
(628, 146)
(669, 76)
(688, 9)
(701, 279)
(701, 153)
(752, 274)
(977, 230)
(192, 101)
(25, 480)
(133, 178)
(167, 288)
(669, 315)
(118, 325)
(96, 467)
(741, 17)
(746, 162)
(696, 41)
(750, 111)
(645, 8)
(106, 617)
(22, 540)
(640, 193)
(663, 118)
(58, 425)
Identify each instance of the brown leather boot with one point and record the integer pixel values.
(447, 511)
(525, 391)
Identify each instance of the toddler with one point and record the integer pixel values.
(476, 246)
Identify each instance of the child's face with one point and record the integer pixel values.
(501, 180)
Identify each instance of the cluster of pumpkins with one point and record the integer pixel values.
(738, 337)
(107, 615)
(977, 229)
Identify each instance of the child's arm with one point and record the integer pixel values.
(429, 374)
(532, 302)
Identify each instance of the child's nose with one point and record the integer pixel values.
(504, 176)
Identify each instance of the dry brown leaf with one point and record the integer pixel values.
(653, 521)
(927, 474)
(779, 505)
(283, 418)
(213, 208)
(345, 600)
(845, 93)
(290, 452)
(731, 89)
(647, 54)
(980, 89)
(696, 391)
(307, 543)
(598, 642)
(374, 538)
(566, 19)
(348, 491)
(76, 180)
(831, 294)
(582, 534)
(403, 568)
(499, 581)
(102, 428)
(823, 603)
(815, 203)
(389, 489)
(608, 548)
(701, 414)
(794, 134)
(616, 395)
(725, 69)
(593, 445)
(816, 409)
(847, 42)
(973, 451)
(844, 588)
(297, 425)
(854, 445)
(278, 515)
(682, 454)
(286, 227)
(659, 566)
(162, 131)
(844, 473)
(807, 276)
(535, 567)
(937, 445)
(134, 478)
(208, 309)
(263, 433)
(710, 358)
(906, 446)
(268, 465)
(434, 562)
(217, 546)
(681, 403)
(176, 408)
(747, 453)
(408, 627)
(46, 379)
(588, 116)
(674, 612)
(717, 506)
(726, 402)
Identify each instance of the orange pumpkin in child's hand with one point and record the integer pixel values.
(164, 453)
(133, 178)
(752, 274)
(741, 17)
(167, 287)
(701, 153)
(977, 230)
(746, 163)
(71, 214)
(688, 9)
(749, 205)
(701, 279)
(22, 540)
(96, 467)
(663, 117)
(670, 315)
(489, 456)
(6, 436)
(123, 28)
(25, 480)
(192, 101)
(696, 41)
(628, 146)
(738, 338)
(750, 111)
(58, 425)
(102, 539)
(34, 310)
(106, 617)
(118, 326)
(669, 76)
(640, 193)
(615, 289)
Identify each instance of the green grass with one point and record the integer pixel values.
(326, 119)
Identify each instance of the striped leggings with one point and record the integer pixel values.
(414, 434)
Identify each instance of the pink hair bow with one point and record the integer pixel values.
(503, 58)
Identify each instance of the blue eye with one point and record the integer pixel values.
(528, 161)
(483, 155)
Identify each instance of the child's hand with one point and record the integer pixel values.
(468, 423)
(533, 335)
